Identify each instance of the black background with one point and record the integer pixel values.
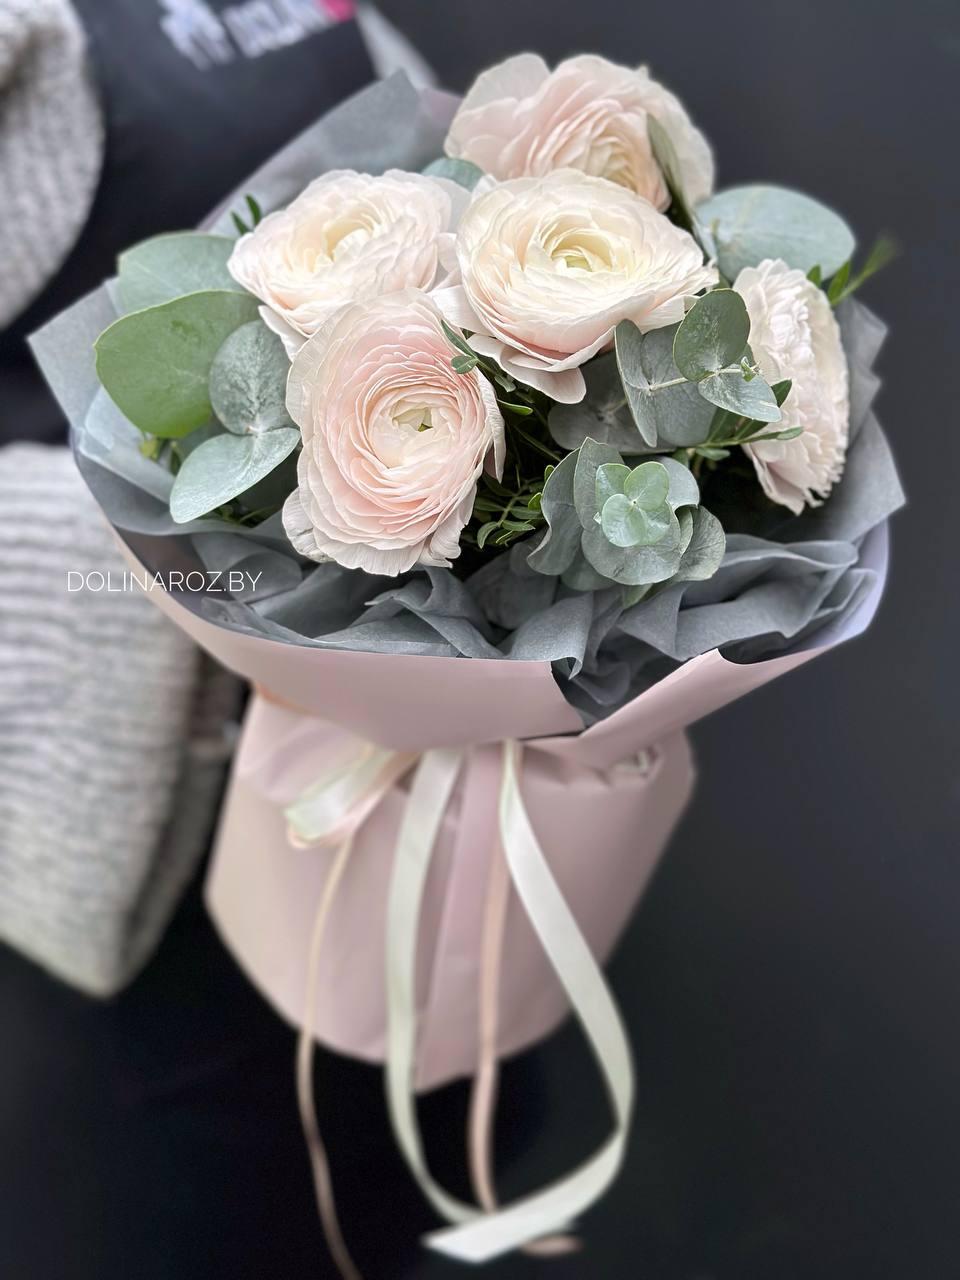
(791, 980)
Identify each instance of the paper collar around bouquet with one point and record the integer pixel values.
(450, 791)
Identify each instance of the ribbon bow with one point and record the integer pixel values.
(331, 812)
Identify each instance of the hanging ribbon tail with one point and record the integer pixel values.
(319, 1164)
(478, 1237)
(430, 792)
(483, 1097)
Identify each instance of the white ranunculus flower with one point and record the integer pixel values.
(346, 238)
(521, 119)
(794, 334)
(550, 266)
(394, 439)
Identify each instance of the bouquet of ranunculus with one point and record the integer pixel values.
(494, 448)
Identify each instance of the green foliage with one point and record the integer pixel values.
(666, 409)
(155, 364)
(462, 172)
(225, 466)
(710, 348)
(170, 266)
(611, 523)
(603, 414)
(751, 398)
(756, 222)
(666, 157)
(844, 283)
(248, 381)
(254, 212)
(712, 336)
(633, 504)
(561, 542)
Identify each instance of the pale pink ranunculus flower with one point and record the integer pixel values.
(347, 237)
(548, 267)
(394, 440)
(794, 334)
(521, 119)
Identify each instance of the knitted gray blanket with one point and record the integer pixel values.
(114, 736)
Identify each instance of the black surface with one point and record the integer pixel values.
(791, 980)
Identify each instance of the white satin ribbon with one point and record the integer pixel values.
(477, 1236)
(331, 811)
(336, 805)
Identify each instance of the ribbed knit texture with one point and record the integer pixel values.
(51, 144)
(112, 738)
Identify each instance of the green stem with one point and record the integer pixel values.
(661, 386)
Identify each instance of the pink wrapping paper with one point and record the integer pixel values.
(602, 820)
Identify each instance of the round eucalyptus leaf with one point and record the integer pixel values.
(155, 364)
(228, 465)
(462, 172)
(561, 543)
(633, 566)
(647, 486)
(626, 524)
(248, 381)
(603, 414)
(713, 334)
(168, 266)
(672, 416)
(589, 458)
(581, 575)
(684, 490)
(611, 477)
(757, 222)
(633, 595)
(686, 518)
(731, 391)
(702, 549)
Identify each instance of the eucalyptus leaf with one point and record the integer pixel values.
(633, 566)
(611, 479)
(704, 550)
(685, 517)
(590, 456)
(155, 364)
(756, 222)
(462, 172)
(224, 467)
(665, 154)
(673, 416)
(626, 524)
(582, 576)
(731, 391)
(666, 157)
(603, 414)
(647, 486)
(683, 489)
(169, 266)
(248, 381)
(633, 595)
(713, 334)
(560, 544)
